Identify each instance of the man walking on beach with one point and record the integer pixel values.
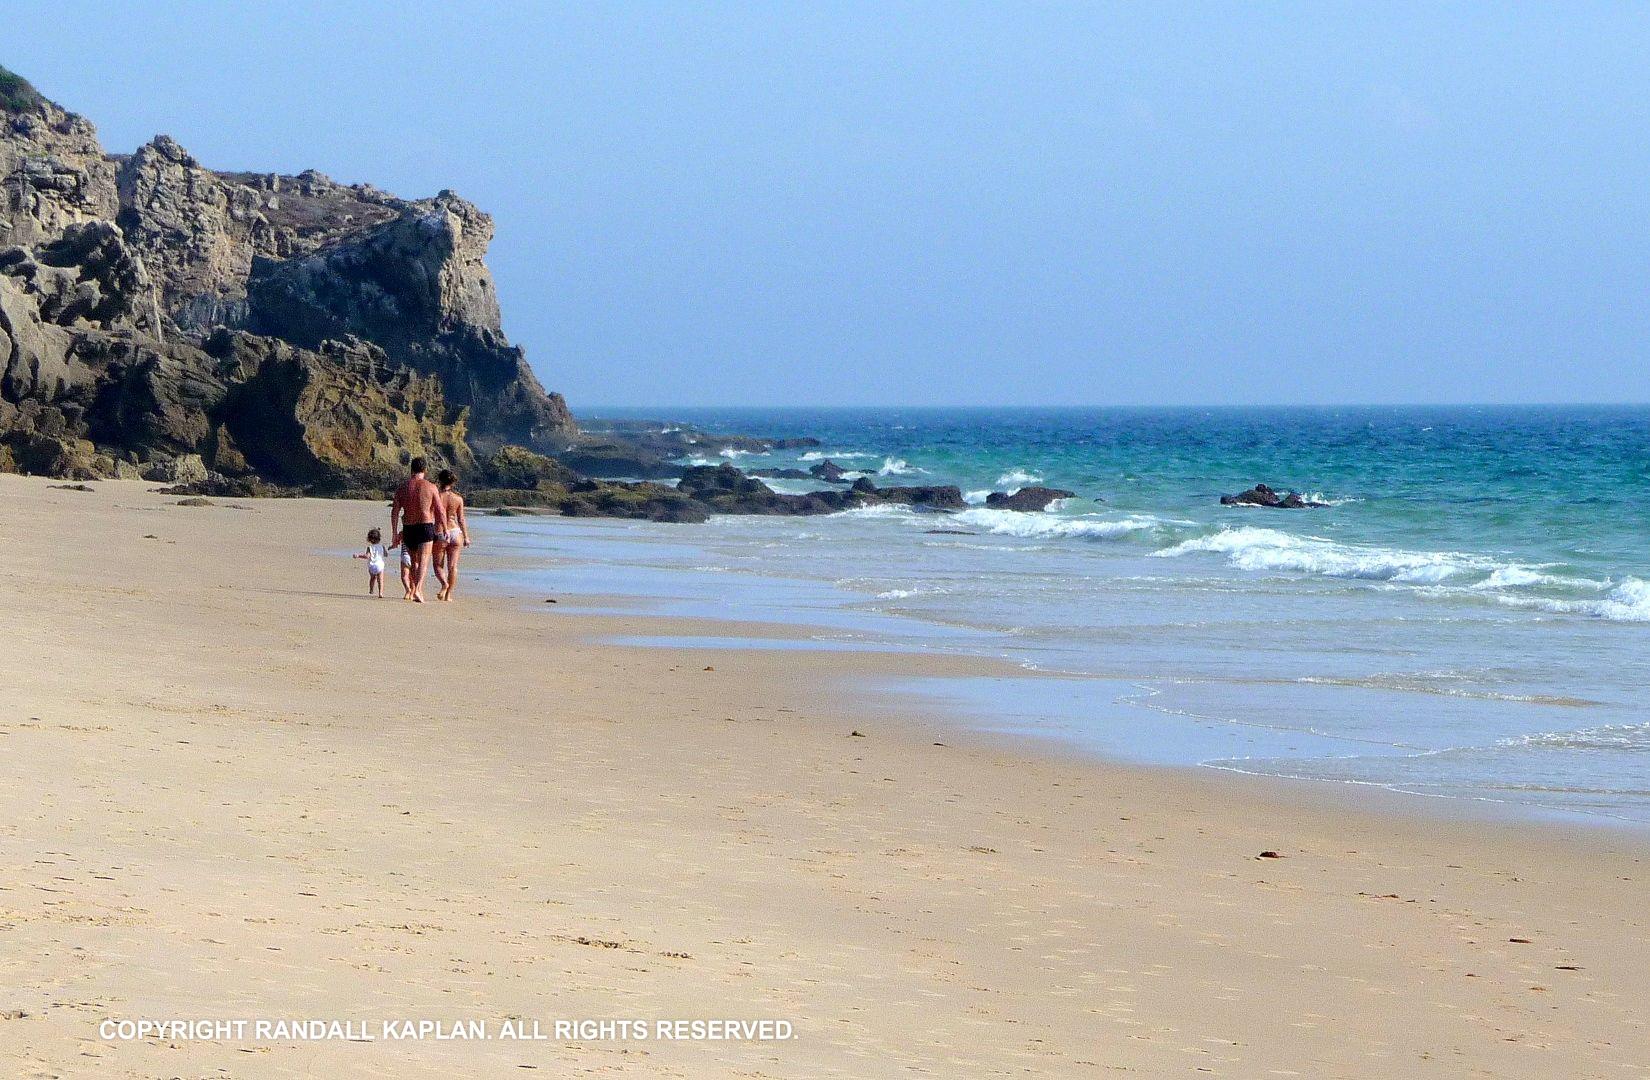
(417, 517)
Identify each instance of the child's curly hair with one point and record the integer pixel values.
(373, 536)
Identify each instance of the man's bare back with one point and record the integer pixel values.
(419, 501)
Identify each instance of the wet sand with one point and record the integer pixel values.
(233, 786)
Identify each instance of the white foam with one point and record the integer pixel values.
(877, 510)
(1047, 526)
(1018, 478)
(791, 487)
(1634, 737)
(906, 594)
(1432, 573)
(976, 497)
(1627, 602)
(1259, 549)
(832, 455)
(1515, 576)
(892, 466)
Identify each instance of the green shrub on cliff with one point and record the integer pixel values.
(16, 93)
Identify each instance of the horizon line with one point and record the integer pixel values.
(1139, 405)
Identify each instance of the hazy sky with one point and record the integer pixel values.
(952, 202)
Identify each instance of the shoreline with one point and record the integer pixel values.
(212, 810)
(856, 627)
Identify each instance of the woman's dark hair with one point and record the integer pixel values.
(445, 478)
(373, 536)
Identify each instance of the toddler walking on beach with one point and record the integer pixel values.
(375, 556)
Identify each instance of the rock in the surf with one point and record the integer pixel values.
(1028, 499)
(830, 472)
(1261, 495)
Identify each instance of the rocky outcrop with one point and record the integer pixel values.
(53, 173)
(515, 467)
(1028, 499)
(249, 333)
(677, 440)
(310, 333)
(621, 460)
(830, 472)
(1261, 495)
(339, 418)
(597, 498)
(196, 233)
(417, 287)
(724, 489)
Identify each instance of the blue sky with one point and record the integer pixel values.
(946, 203)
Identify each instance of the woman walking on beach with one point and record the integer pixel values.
(457, 537)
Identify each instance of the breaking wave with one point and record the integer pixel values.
(1254, 548)
(1046, 526)
(1018, 478)
(1433, 573)
(833, 455)
(1628, 601)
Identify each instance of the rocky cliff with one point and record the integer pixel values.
(305, 332)
(251, 333)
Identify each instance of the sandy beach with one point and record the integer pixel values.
(213, 805)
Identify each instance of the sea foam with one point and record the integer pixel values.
(833, 455)
(1261, 549)
(1047, 526)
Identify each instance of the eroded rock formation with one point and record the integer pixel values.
(303, 331)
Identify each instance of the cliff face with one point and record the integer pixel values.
(53, 173)
(293, 328)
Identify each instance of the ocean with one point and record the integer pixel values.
(1469, 617)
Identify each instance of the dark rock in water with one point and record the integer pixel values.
(713, 481)
(724, 489)
(781, 474)
(830, 472)
(1028, 499)
(1261, 495)
(951, 532)
(611, 460)
(675, 440)
(926, 497)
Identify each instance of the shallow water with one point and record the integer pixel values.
(1469, 618)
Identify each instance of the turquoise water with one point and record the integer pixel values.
(1469, 617)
